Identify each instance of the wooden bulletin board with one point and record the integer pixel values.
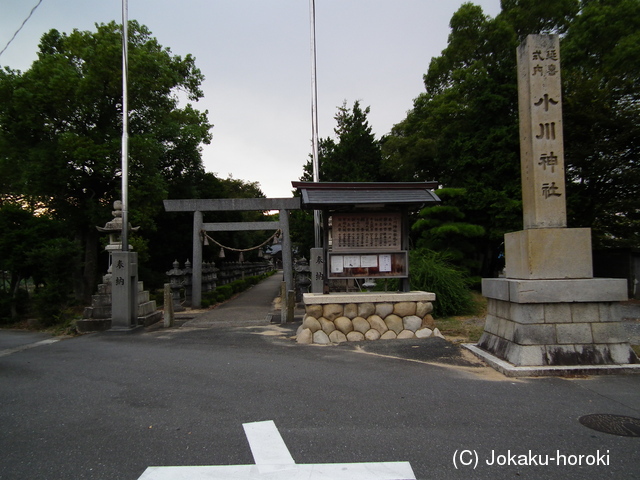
(366, 231)
(365, 265)
(367, 245)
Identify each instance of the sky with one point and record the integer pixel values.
(256, 59)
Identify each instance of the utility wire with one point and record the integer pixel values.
(18, 31)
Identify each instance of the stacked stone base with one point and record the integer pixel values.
(97, 317)
(555, 322)
(354, 317)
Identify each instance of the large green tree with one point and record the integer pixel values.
(463, 130)
(61, 130)
(601, 79)
(354, 154)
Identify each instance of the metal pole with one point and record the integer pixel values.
(125, 126)
(314, 118)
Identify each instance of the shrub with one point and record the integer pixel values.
(56, 259)
(226, 291)
(431, 271)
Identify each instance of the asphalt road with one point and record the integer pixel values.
(104, 406)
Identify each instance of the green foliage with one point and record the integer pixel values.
(35, 246)
(225, 292)
(354, 155)
(601, 73)
(56, 260)
(61, 130)
(442, 228)
(463, 129)
(433, 272)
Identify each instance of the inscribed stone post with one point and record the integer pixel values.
(542, 249)
(549, 310)
(541, 134)
(317, 269)
(124, 289)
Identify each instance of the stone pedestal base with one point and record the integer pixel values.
(97, 317)
(353, 317)
(544, 253)
(555, 322)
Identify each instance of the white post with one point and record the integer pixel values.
(314, 118)
(125, 126)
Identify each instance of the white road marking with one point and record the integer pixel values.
(9, 351)
(274, 462)
(267, 447)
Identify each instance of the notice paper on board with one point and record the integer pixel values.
(385, 263)
(367, 261)
(351, 261)
(337, 265)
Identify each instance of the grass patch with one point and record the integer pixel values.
(465, 328)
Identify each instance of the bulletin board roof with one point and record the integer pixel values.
(340, 195)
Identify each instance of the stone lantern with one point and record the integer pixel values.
(114, 228)
(103, 314)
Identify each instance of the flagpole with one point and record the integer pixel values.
(125, 126)
(314, 119)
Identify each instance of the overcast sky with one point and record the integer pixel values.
(256, 57)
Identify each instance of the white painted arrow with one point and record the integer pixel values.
(274, 462)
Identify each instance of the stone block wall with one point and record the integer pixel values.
(357, 317)
(561, 333)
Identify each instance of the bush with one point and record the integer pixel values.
(239, 285)
(226, 291)
(20, 302)
(57, 261)
(432, 272)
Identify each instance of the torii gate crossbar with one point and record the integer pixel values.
(197, 206)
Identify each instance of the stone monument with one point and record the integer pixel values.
(549, 310)
(121, 275)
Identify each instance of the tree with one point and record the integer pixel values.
(443, 228)
(34, 247)
(463, 130)
(601, 77)
(61, 130)
(354, 156)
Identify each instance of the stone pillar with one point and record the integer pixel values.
(541, 133)
(168, 317)
(196, 279)
(124, 290)
(317, 269)
(176, 281)
(549, 310)
(287, 264)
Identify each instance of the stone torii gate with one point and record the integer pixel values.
(283, 205)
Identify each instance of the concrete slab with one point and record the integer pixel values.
(371, 297)
(556, 291)
(510, 370)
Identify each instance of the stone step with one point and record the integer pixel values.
(97, 313)
(146, 308)
(101, 300)
(88, 325)
(143, 296)
(150, 318)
